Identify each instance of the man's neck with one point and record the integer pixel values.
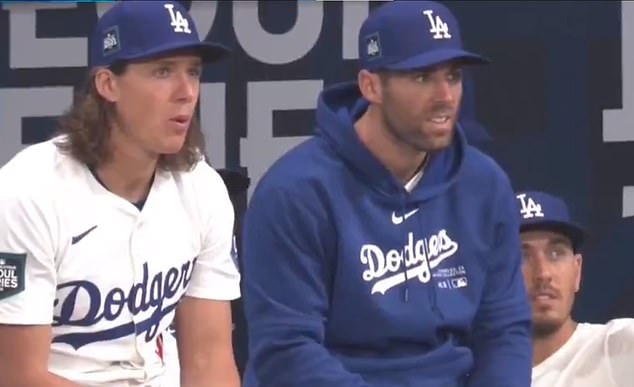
(403, 161)
(545, 346)
(128, 173)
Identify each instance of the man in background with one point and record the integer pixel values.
(566, 353)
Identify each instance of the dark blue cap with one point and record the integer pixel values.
(406, 35)
(543, 211)
(140, 29)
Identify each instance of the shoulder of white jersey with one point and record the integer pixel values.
(619, 324)
(206, 181)
(621, 330)
(32, 167)
(28, 181)
(206, 194)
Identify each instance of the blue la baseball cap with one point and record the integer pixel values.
(140, 29)
(406, 35)
(541, 210)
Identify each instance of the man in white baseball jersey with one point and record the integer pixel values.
(566, 353)
(117, 227)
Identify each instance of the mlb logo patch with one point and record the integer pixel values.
(460, 282)
(111, 42)
(373, 46)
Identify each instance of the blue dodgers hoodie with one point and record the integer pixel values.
(351, 281)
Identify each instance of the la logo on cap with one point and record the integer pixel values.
(530, 209)
(179, 23)
(439, 28)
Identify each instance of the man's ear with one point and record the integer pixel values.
(578, 269)
(371, 86)
(106, 84)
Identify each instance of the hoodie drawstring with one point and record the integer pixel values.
(432, 292)
(403, 266)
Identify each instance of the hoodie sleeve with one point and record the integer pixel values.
(285, 291)
(501, 337)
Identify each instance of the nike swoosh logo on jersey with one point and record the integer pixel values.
(399, 219)
(81, 236)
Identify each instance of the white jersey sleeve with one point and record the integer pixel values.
(619, 350)
(215, 274)
(27, 255)
(595, 355)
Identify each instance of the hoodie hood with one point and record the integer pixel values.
(340, 106)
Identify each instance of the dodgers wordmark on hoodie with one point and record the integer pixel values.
(352, 281)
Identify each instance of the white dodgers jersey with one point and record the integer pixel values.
(105, 275)
(596, 355)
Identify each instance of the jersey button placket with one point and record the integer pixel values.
(137, 260)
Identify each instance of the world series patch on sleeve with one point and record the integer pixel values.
(11, 274)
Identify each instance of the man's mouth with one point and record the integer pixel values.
(441, 119)
(545, 295)
(181, 119)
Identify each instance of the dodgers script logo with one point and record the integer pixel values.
(151, 293)
(418, 256)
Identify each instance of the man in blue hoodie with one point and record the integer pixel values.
(385, 251)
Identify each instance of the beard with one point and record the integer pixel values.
(545, 328)
(406, 129)
(411, 136)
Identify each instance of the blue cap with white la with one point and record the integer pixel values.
(544, 211)
(132, 30)
(406, 35)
